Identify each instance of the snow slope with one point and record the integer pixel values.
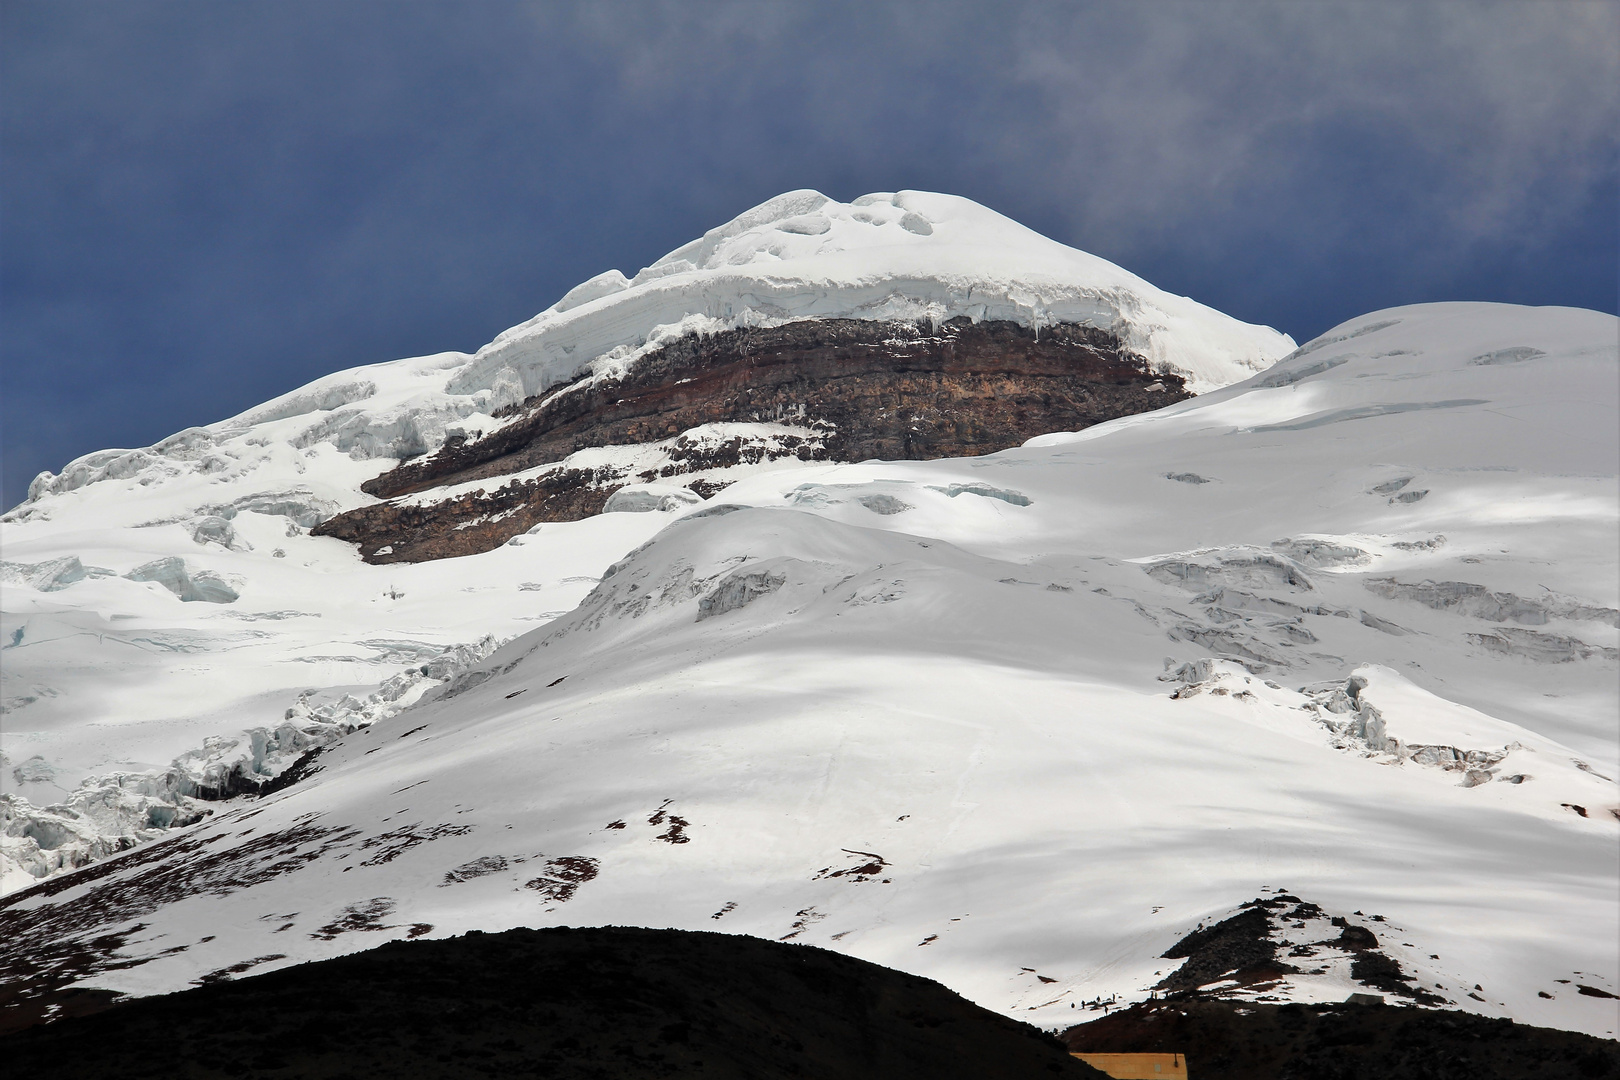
(1347, 629)
(160, 597)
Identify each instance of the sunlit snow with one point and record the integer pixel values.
(1018, 723)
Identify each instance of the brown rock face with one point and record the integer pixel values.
(850, 389)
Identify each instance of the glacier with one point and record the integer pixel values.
(1344, 625)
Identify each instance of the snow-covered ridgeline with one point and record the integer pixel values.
(907, 256)
(888, 256)
(412, 418)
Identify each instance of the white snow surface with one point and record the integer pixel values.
(907, 255)
(1347, 629)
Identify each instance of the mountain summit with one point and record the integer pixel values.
(907, 325)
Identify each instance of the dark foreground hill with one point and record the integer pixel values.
(604, 1003)
(1225, 1040)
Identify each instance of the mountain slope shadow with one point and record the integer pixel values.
(604, 1002)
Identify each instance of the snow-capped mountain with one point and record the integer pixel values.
(1344, 632)
(899, 326)
(172, 629)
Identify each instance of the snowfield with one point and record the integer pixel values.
(1349, 630)
(280, 642)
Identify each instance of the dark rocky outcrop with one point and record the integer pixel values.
(470, 524)
(888, 390)
(606, 1003)
(855, 389)
(1239, 948)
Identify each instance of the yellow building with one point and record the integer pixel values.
(1138, 1066)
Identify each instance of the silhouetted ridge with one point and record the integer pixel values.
(603, 1003)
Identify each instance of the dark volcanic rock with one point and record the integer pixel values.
(858, 389)
(604, 1003)
(1238, 948)
(407, 532)
(1241, 1041)
(889, 390)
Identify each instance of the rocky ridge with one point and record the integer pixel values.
(703, 409)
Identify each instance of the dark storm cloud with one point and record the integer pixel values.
(205, 204)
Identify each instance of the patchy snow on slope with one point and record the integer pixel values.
(1346, 632)
(757, 446)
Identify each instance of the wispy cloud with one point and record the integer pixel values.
(1477, 107)
(1143, 114)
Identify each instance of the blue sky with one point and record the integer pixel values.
(204, 204)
